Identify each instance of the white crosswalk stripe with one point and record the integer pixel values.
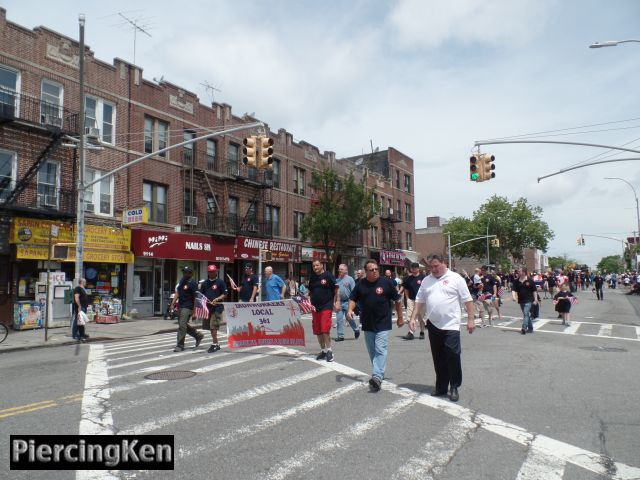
(605, 330)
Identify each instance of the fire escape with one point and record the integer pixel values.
(388, 219)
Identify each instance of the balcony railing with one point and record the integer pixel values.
(16, 106)
(44, 199)
(242, 172)
(213, 223)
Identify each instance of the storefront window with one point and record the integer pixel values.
(142, 284)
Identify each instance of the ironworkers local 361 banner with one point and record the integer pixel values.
(264, 323)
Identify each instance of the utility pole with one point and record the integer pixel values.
(81, 186)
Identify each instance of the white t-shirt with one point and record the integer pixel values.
(443, 297)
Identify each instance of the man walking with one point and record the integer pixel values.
(324, 297)
(185, 293)
(440, 294)
(215, 289)
(598, 284)
(248, 288)
(274, 285)
(526, 294)
(345, 285)
(374, 295)
(410, 287)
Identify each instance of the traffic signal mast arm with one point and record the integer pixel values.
(473, 239)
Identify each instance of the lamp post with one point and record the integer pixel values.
(637, 206)
(612, 43)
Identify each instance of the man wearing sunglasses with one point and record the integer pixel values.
(373, 294)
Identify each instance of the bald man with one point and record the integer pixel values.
(274, 285)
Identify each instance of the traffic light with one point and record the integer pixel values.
(580, 240)
(487, 167)
(250, 151)
(265, 152)
(473, 168)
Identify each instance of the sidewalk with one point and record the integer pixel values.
(98, 332)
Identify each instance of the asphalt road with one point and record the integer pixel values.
(561, 403)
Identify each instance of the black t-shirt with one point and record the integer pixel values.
(246, 286)
(412, 284)
(598, 280)
(375, 302)
(488, 281)
(212, 289)
(187, 289)
(525, 290)
(323, 290)
(84, 299)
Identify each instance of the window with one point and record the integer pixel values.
(407, 183)
(407, 212)
(99, 193)
(212, 148)
(188, 205)
(252, 217)
(102, 115)
(51, 103)
(232, 159)
(189, 150)
(374, 236)
(409, 241)
(155, 135)
(7, 173)
(48, 184)
(398, 239)
(398, 210)
(233, 212)
(155, 199)
(298, 217)
(298, 180)
(272, 219)
(212, 204)
(9, 85)
(398, 179)
(275, 173)
(385, 238)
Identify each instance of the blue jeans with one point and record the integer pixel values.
(526, 317)
(340, 316)
(377, 348)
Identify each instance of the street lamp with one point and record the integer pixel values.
(612, 43)
(637, 207)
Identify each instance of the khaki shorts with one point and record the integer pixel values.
(213, 322)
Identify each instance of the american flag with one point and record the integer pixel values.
(500, 291)
(484, 296)
(201, 310)
(303, 303)
(572, 300)
(231, 282)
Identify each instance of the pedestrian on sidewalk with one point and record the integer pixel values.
(374, 295)
(185, 294)
(440, 295)
(525, 294)
(80, 304)
(324, 298)
(345, 284)
(215, 289)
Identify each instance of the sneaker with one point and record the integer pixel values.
(421, 335)
(178, 348)
(338, 339)
(199, 340)
(408, 336)
(375, 384)
(213, 348)
(523, 331)
(530, 330)
(329, 356)
(321, 356)
(357, 334)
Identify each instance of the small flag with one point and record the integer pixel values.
(201, 310)
(233, 284)
(573, 300)
(500, 291)
(304, 304)
(484, 296)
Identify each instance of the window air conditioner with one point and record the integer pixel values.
(391, 212)
(189, 220)
(92, 134)
(90, 207)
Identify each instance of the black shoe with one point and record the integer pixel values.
(454, 394)
(409, 336)
(438, 394)
(375, 384)
(530, 330)
(85, 336)
(321, 356)
(199, 340)
(523, 331)
(213, 348)
(357, 334)
(330, 356)
(338, 339)
(179, 348)
(422, 335)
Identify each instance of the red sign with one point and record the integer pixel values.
(249, 249)
(390, 257)
(181, 246)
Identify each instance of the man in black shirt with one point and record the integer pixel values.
(325, 298)
(248, 285)
(410, 287)
(526, 294)
(80, 303)
(598, 283)
(185, 293)
(374, 295)
(490, 291)
(215, 289)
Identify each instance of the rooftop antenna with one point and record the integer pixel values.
(137, 27)
(210, 89)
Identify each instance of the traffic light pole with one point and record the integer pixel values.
(623, 242)
(466, 241)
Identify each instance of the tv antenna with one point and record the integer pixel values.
(210, 89)
(138, 25)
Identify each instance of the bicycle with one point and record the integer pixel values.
(4, 331)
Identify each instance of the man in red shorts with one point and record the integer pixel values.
(325, 298)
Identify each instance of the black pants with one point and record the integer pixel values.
(445, 350)
(599, 293)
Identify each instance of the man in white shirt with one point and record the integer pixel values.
(440, 295)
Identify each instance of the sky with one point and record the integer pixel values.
(426, 77)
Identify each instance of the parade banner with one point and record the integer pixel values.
(264, 323)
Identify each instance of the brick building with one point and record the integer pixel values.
(204, 205)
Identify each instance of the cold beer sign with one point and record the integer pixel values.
(135, 215)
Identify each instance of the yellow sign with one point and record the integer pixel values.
(32, 231)
(32, 252)
(135, 215)
(39, 252)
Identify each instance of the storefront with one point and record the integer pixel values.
(308, 256)
(393, 259)
(159, 259)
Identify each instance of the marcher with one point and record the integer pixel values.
(373, 294)
(489, 291)
(274, 285)
(80, 304)
(526, 294)
(410, 287)
(248, 288)
(325, 298)
(598, 284)
(441, 294)
(563, 303)
(215, 289)
(185, 294)
(345, 284)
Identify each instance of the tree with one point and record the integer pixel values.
(562, 263)
(612, 263)
(342, 207)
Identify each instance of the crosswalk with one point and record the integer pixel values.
(586, 329)
(266, 412)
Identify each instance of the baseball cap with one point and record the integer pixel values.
(212, 268)
(415, 265)
(187, 270)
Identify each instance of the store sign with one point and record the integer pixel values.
(249, 249)
(40, 252)
(182, 246)
(311, 254)
(391, 257)
(135, 216)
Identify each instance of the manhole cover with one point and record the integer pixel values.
(605, 349)
(170, 375)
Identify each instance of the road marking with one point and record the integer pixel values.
(114, 347)
(606, 330)
(541, 323)
(572, 329)
(541, 465)
(193, 412)
(638, 332)
(338, 440)
(28, 410)
(438, 452)
(165, 344)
